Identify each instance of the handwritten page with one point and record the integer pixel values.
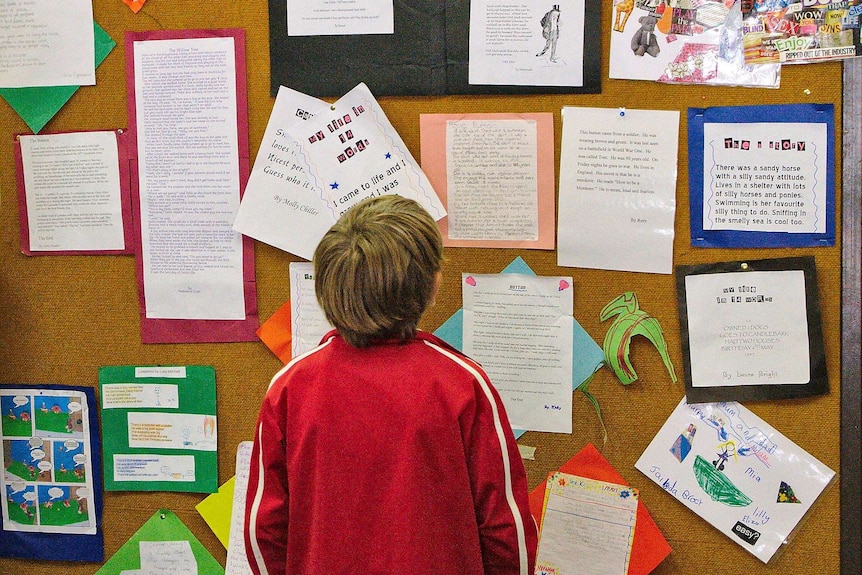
(737, 472)
(327, 18)
(47, 43)
(495, 175)
(308, 322)
(167, 558)
(352, 152)
(491, 180)
(588, 527)
(519, 327)
(237, 560)
(618, 189)
(533, 43)
(765, 177)
(278, 199)
(73, 193)
(188, 149)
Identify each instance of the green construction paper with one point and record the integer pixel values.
(630, 321)
(194, 390)
(162, 526)
(37, 105)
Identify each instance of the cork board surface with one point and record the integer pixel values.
(62, 317)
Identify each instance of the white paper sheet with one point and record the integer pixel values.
(510, 45)
(188, 158)
(47, 43)
(756, 334)
(352, 152)
(278, 200)
(72, 185)
(153, 467)
(163, 430)
(588, 527)
(519, 327)
(47, 478)
(167, 558)
(736, 472)
(618, 189)
(339, 17)
(752, 183)
(308, 323)
(492, 179)
(237, 560)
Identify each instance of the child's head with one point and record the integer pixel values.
(376, 269)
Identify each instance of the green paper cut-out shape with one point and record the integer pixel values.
(164, 525)
(631, 321)
(717, 485)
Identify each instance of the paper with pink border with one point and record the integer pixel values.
(195, 330)
(433, 161)
(125, 202)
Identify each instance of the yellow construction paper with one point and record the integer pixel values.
(216, 510)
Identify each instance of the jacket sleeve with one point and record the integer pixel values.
(507, 531)
(266, 509)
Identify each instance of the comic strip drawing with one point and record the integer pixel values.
(16, 416)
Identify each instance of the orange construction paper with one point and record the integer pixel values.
(275, 333)
(649, 547)
(135, 5)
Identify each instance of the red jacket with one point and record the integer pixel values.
(397, 458)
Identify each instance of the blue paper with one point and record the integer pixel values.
(64, 546)
(587, 356)
(777, 114)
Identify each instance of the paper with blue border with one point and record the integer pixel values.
(762, 176)
(587, 358)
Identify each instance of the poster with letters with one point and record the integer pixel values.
(762, 176)
(751, 330)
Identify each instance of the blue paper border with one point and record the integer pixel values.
(64, 546)
(782, 113)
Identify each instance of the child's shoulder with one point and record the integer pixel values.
(454, 355)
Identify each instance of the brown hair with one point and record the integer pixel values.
(375, 269)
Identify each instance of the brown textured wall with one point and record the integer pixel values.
(63, 317)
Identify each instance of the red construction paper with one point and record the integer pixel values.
(195, 330)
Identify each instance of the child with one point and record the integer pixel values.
(384, 450)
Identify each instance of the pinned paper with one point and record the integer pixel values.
(649, 547)
(216, 510)
(162, 545)
(587, 357)
(631, 321)
(37, 105)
